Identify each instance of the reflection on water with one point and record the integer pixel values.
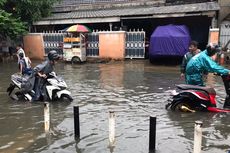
(133, 89)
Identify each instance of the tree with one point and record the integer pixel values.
(30, 10)
(16, 16)
(9, 25)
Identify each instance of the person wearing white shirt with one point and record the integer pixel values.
(24, 65)
(20, 50)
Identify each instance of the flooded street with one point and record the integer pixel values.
(133, 89)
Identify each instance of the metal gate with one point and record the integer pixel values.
(225, 33)
(53, 41)
(92, 49)
(135, 44)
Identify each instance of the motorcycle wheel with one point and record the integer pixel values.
(76, 60)
(177, 106)
(66, 97)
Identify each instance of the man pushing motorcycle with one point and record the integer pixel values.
(41, 71)
(194, 97)
(202, 63)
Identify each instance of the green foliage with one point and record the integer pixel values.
(2, 2)
(31, 10)
(10, 26)
(17, 15)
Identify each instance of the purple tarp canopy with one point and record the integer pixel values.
(169, 40)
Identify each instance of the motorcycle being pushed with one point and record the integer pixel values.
(192, 98)
(55, 86)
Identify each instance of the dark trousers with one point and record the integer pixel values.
(39, 89)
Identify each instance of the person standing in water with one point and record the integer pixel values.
(193, 50)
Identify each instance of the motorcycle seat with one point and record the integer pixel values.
(19, 80)
(194, 87)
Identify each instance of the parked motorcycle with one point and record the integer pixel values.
(192, 98)
(55, 86)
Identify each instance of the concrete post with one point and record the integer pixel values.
(197, 137)
(152, 134)
(111, 128)
(76, 122)
(46, 117)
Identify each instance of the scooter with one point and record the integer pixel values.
(55, 87)
(192, 98)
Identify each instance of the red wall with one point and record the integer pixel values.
(112, 44)
(33, 46)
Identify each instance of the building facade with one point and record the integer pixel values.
(197, 15)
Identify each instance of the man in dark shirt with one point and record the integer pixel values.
(193, 50)
(41, 72)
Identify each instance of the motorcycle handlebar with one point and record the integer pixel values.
(218, 74)
(225, 77)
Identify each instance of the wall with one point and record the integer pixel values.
(112, 44)
(33, 46)
(214, 36)
(224, 10)
(225, 33)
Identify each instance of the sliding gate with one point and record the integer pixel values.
(135, 44)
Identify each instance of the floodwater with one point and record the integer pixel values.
(133, 89)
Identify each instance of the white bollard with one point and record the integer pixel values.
(46, 117)
(197, 136)
(111, 128)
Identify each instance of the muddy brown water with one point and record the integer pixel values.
(134, 89)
